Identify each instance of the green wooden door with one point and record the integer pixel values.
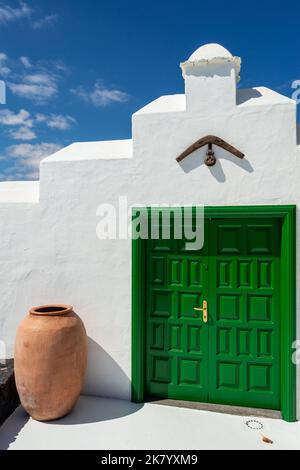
(177, 340)
(244, 329)
(235, 357)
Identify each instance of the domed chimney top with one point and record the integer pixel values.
(209, 52)
(211, 74)
(211, 60)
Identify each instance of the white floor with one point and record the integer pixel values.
(103, 424)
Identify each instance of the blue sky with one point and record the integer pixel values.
(75, 70)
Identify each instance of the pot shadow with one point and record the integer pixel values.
(196, 160)
(11, 428)
(90, 410)
(97, 404)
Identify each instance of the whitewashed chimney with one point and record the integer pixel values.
(211, 75)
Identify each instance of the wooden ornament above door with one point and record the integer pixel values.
(210, 140)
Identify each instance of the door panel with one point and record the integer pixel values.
(177, 339)
(235, 357)
(244, 333)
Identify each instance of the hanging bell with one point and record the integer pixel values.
(210, 156)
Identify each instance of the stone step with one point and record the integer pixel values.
(9, 398)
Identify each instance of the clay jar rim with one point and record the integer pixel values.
(55, 310)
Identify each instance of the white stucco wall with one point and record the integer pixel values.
(49, 251)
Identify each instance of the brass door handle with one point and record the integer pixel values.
(204, 310)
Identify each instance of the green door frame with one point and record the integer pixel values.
(287, 214)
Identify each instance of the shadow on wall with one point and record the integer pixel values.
(104, 376)
(197, 158)
(102, 364)
(246, 94)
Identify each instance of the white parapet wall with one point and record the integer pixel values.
(49, 249)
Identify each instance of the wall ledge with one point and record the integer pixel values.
(19, 192)
(85, 151)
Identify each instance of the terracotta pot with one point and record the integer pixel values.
(50, 361)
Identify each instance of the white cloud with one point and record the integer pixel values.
(26, 157)
(45, 22)
(4, 69)
(36, 81)
(40, 79)
(8, 13)
(23, 133)
(100, 96)
(41, 117)
(32, 151)
(9, 118)
(60, 122)
(25, 62)
(39, 87)
(15, 173)
(24, 124)
(21, 11)
(56, 121)
(24, 118)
